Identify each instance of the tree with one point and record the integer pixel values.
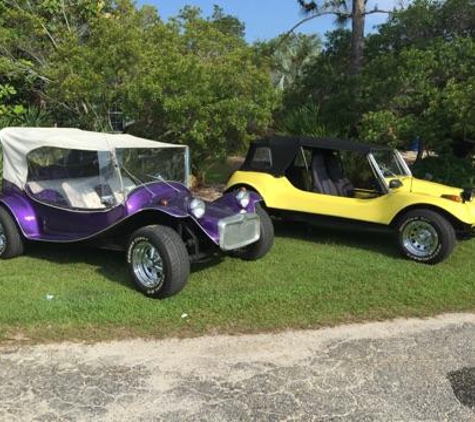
(200, 85)
(341, 10)
(227, 24)
(420, 71)
(191, 80)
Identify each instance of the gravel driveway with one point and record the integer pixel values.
(404, 370)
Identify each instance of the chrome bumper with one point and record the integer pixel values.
(238, 231)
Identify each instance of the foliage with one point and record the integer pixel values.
(417, 81)
(8, 110)
(344, 11)
(288, 56)
(324, 82)
(429, 91)
(305, 121)
(446, 169)
(384, 127)
(208, 93)
(191, 80)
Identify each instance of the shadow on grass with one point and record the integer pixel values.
(109, 264)
(380, 242)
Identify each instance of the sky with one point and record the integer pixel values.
(265, 19)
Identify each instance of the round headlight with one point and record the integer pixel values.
(243, 198)
(197, 207)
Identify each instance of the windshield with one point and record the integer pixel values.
(391, 163)
(140, 166)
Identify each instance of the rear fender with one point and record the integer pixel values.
(23, 213)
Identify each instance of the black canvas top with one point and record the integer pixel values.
(284, 149)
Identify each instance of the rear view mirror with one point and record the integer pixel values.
(395, 184)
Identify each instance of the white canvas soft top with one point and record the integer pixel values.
(17, 142)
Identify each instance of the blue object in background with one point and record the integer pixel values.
(415, 144)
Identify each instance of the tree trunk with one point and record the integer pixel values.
(357, 37)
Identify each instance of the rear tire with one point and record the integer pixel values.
(158, 261)
(260, 248)
(425, 236)
(11, 242)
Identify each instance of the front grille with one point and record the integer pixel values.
(238, 231)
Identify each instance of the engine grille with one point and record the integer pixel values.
(238, 231)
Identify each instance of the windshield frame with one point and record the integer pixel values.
(378, 171)
(122, 169)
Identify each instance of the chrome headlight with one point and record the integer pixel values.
(197, 207)
(243, 197)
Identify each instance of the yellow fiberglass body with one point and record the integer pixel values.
(304, 178)
(278, 193)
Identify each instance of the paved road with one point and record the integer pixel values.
(407, 370)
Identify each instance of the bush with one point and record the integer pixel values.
(446, 169)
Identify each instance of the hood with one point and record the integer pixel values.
(424, 187)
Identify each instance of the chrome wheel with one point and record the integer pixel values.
(420, 238)
(3, 239)
(147, 264)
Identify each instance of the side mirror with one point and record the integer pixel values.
(395, 184)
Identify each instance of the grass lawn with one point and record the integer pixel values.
(309, 279)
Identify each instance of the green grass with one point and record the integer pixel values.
(309, 279)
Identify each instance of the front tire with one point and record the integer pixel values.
(158, 261)
(11, 242)
(260, 248)
(425, 236)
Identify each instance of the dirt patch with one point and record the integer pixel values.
(209, 192)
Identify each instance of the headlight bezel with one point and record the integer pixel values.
(197, 208)
(243, 197)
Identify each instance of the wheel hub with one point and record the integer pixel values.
(420, 238)
(147, 264)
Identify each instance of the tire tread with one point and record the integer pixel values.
(15, 246)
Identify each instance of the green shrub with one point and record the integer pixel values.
(446, 169)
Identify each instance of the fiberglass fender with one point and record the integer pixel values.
(23, 213)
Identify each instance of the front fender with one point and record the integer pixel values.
(228, 201)
(463, 212)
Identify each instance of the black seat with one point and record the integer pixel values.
(335, 171)
(321, 181)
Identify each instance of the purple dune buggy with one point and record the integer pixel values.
(121, 192)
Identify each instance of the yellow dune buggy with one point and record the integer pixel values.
(334, 180)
